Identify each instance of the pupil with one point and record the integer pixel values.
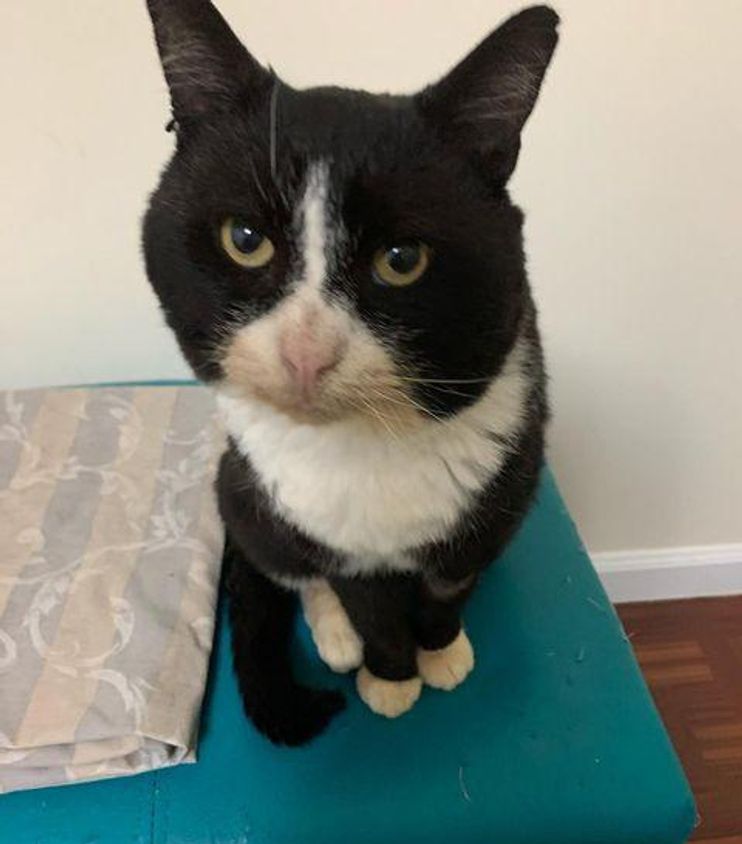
(245, 239)
(403, 259)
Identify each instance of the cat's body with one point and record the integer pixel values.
(347, 271)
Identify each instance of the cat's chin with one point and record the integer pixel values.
(311, 414)
(299, 410)
(388, 419)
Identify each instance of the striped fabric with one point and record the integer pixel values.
(110, 548)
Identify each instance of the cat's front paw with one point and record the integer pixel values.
(390, 698)
(449, 666)
(338, 643)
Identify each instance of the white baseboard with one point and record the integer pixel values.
(664, 573)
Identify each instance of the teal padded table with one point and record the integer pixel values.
(552, 739)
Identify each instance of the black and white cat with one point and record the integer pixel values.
(346, 270)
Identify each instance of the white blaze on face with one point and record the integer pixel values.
(311, 336)
(312, 228)
(307, 355)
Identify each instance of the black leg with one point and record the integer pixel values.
(438, 610)
(381, 611)
(261, 615)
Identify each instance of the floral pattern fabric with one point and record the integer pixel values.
(110, 549)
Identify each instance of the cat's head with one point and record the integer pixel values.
(333, 252)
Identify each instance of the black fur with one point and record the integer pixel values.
(262, 616)
(431, 167)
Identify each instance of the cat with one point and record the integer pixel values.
(346, 271)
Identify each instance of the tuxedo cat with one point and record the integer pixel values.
(346, 271)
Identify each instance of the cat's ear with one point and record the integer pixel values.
(482, 104)
(206, 67)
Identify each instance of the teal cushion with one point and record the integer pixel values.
(553, 738)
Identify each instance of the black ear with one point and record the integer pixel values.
(482, 104)
(205, 65)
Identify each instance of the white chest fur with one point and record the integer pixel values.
(368, 495)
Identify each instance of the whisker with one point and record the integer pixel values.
(400, 399)
(426, 411)
(405, 400)
(379, 417)
(449, 392)
(415, 380)
(363, 396)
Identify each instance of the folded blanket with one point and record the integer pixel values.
(110, 549)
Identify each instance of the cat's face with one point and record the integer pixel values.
(335, 253)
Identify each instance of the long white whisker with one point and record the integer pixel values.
(379, 417)
(414, 380)
(405, 400)
(449, 392)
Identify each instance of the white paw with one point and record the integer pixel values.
(387, 697)
(338, 643)
(448, 667)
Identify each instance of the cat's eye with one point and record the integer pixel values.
(245, 245)
(402, 264)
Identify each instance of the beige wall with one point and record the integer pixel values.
(630, 176)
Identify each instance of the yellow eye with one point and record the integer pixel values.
(402, 264)
(245, 245)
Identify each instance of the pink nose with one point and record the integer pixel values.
(307, 358)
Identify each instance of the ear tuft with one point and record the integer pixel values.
(483, 103)
(205, 65)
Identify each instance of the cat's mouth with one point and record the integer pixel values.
(308, 408)
(372, 401)
(317, 375)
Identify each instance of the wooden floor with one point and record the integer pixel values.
(691, 656)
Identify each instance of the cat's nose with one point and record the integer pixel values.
(307, 358)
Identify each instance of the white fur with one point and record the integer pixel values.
(337, 641)
(293, 584)
(390, 698)
(448, 667)
(371, 495)
(312, 224)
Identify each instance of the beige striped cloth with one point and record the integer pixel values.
(110, 549)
